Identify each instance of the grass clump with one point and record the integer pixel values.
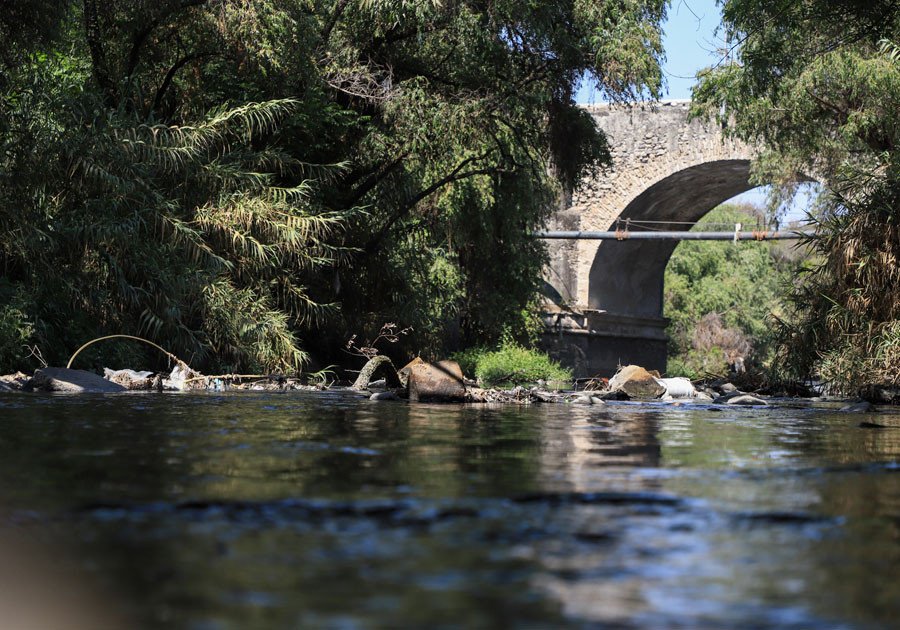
(511, 363)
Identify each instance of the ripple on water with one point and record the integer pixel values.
(326, 510)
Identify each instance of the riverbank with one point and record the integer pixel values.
(631, 384)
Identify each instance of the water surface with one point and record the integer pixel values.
(328, 510)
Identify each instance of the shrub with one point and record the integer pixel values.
(511, 363)
(468, 358)
(15, 332)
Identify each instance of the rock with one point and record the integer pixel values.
(377, 365)
(724, 398)
(746, 399)
(727, 388)
(436, 382)
(678, 387)
(129, 379)
(384, 396)
(882, 394)
(13, 382)
(544, 397)
(72, 381)
(583, 400)
(613, 394)
(860, 407)
(703, 397)
(636, 382)
(403, 373)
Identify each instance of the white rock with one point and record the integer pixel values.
(678, 387)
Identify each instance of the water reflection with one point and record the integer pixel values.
(293, 510)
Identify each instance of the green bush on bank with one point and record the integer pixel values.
(510, 363)
(15, 332)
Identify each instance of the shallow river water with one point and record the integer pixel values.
(284, 510)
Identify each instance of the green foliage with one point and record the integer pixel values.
(468, 358)
(15, 333)
(180, 233)
(161, 165)
(818, 83)
(741, 284)
(468, 105)
(510, 363)
(845, 317)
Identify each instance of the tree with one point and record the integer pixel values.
(720, 297)
(196, 234)
(818, 83)
(466, 131)
(157, 141)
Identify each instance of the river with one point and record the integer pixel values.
(304, 509)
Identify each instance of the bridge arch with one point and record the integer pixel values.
(666, 167)
(627, 277)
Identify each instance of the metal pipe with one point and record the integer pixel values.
(677, 236)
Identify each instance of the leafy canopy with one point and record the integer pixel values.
(192, 171)
(818, 83)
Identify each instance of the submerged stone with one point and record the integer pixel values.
(746, 399)
(860, 407)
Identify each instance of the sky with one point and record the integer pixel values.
(690, 43)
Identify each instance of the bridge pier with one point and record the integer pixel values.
(595, 343)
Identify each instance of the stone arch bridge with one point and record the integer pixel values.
(607, 296)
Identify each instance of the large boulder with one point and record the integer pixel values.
(636, 382)
(403, 373)
(436, 382)
(51, 379)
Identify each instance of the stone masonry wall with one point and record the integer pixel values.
(649, 142)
